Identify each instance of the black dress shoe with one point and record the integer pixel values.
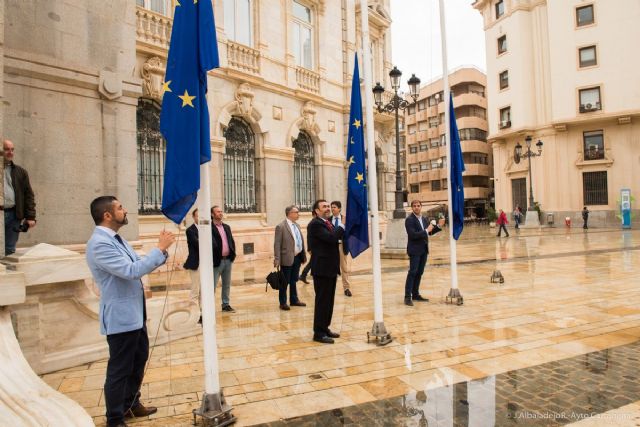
(304, 280)
(298, 304)
(420, 298)
(407, 301)
(333, 335)
(347, 292)
(140, 411)
(284, 307)
(324, 340)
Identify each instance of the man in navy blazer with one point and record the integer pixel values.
(418, 231)
(118, 271)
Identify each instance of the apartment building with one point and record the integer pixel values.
(564, 73)
(426, 151)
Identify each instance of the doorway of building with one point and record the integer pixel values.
(519, 193)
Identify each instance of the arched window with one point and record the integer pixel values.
(304, 183)
(239, 168)
(151, 155)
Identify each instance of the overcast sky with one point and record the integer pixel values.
(415, 35)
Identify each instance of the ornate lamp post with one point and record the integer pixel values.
(532, 215)
(395, 105)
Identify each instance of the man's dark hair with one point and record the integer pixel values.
(316, 204)
(337, 203)
(100, 206)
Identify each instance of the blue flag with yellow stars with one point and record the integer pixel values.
(457, 167)
(356, 233)
(184, 120)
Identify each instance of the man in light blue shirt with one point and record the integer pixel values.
(289, 254)
(118, 271)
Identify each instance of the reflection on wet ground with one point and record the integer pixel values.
(553, 393)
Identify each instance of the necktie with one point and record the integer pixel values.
(335, 222)
(296, 234)
(329, 225)
(119, 239)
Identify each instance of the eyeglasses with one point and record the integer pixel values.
(10, 149)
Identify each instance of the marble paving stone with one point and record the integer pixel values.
(510, 334)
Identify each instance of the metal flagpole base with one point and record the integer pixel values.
(379, 333)
(497, 277)
(454, 297)
(214, 410)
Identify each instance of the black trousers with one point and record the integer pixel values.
(306, 269)
(325, 288)
(128, 354)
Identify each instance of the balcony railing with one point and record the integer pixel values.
(243, 58)
(308, 80)
(153, 28)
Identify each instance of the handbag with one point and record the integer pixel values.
(275, 279)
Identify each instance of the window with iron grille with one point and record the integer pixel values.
(304, 187)
(594, 187)
(435, 185)
(239, 168)
(151, 149)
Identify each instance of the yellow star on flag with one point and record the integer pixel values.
(357, 124)
(195, 1)
(165, 87)
(186, 99)
(359, 177)
(351, 160)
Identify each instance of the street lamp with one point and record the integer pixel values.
(528, 154)
(394, 106)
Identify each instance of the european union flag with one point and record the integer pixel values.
(184, 120)
(356, 233)
(457, 167)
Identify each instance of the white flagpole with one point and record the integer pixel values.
(214, 405)
(211, 379)
(454, 293)
(379, 331)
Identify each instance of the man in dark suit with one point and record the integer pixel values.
(224, 253)
(418, 232)
(193, 260)
(323, 239)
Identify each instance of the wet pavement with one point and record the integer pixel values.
(559, 336)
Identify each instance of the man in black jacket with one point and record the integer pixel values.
(323, 238)
(418, 232)
(224, 253)
(19, 202)
(193, 259)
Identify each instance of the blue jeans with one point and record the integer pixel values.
(11, 224)
(416, 268)
(224, 270)
(291, 274)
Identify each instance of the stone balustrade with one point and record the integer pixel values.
(243, 58)
(308, 80)
(153, 28)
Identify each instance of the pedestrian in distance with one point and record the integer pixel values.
(502, 223)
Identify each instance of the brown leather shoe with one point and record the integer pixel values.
(298, 304)
(284, 307)
(140, 411)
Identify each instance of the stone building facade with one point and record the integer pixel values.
(561, 72)
(82, 96)
(426, 149)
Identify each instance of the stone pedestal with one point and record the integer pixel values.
(532, 220)
(26, 400)
(57, 320)
(395, 246)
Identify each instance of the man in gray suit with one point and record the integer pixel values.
(118, 271)
(289, 255)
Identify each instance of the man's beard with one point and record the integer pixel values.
(124, 221)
